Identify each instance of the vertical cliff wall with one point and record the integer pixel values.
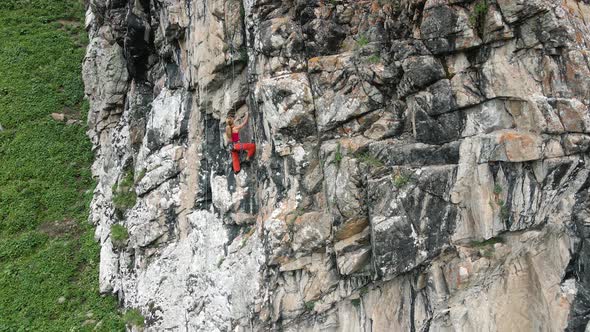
(421, 165)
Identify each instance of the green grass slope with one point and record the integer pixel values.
(48, 259)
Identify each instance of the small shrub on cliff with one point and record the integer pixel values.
(369, 159)
(362, 41)
(364, 290)
(400, 180)
(478, 16)
(497, 189)
(119, 232)
(310, 305)
(481, 8)
(338, 155)
(134, 317)
(119, 235)
(375, 58)
(124, 196)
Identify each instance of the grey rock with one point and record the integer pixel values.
(341, 94)
(420, 165)
(432, 119)
(517, 10)
(419, 72)
(437, 130)
(417, 154)
(446, 29)
(353, 253)
(403, 221)
(310, 232)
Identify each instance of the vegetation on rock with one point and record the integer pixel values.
(400, 180)
(134, 317)
(362, 41)
(478, 16)
(338, 155)
(369, 159)
(124, 196)
(119, 235)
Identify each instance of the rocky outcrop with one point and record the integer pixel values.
(421, 164)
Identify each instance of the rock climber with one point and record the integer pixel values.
(233, 132)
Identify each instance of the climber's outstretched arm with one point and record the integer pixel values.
(243, 123)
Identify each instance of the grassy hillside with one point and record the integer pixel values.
(48, 259)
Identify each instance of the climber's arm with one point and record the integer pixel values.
(243, 123)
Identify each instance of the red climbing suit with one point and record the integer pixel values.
(237, 147)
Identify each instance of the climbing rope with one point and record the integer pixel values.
(205, 155)
(233, 71)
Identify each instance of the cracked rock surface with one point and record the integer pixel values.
(421, 165)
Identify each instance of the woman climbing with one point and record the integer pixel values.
(233, 132)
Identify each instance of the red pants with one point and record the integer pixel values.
(235, 153)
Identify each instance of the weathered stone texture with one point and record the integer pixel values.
(422, 165)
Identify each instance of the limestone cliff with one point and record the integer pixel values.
(422, 165)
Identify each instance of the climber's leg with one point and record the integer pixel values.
(235, 160)
(250, 148)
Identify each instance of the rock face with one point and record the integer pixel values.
(422, 165)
